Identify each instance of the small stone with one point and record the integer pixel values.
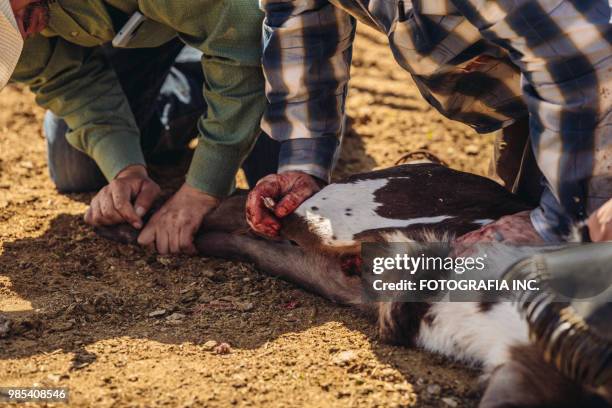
(190, 296)
(343, 394)
(239, 382)
(325, 385)
(27, 165)
(223, 348)
(88, 308)
(82, 360)
(133, 378)
(63, 327)
(388, 374)
(229, 299)
(164, 260)
(54, 378)
(175, 318)
(450, 402)
(434, 389)
(471, 149)
(344, 358)
(245, 306)
(5, 327)
(209, 345)
(157, 313)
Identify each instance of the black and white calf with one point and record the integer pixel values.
(321, 247)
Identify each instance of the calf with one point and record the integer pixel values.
(419, 202)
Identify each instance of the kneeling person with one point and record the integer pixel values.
(107, 99)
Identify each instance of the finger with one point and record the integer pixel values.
(161, 241)
(292, 201)
(147, 236)
(96, 214)
(258, 216)
(146, 197)
(186, 235)
(174, 241)
(88, 216)
(122, 203)
(256, 208)
(109, 214)
(260, 219)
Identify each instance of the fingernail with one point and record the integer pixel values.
(137, 225)
(140, 211)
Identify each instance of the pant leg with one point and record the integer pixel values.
(514, 162)
(71, 170)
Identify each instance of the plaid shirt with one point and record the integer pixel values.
(485, 63)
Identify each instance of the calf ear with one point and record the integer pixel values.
(527, 381)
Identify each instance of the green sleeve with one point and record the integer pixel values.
(77, 84)
(228, 32)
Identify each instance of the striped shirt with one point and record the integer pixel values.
(482, 62)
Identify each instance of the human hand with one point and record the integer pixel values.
(127, 198)
(173, 227)
(511, 229)
(288, 190)
(600, 223)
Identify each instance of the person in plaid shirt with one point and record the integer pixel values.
(542, 66)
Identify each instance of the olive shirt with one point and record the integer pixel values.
(66, 69)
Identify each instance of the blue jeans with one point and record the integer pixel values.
(71, 170)
(164, 88)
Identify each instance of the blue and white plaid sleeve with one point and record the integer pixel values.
(564, 51)
(306, 60)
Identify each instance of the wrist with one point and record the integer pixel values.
(318, 181)
(201, 197)
(133, 170)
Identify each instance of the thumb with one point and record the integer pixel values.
(146, 197)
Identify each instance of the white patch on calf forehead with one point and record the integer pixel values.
(340, 211)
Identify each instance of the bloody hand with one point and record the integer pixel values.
(288, 190)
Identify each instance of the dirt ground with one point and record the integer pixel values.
(122, 327)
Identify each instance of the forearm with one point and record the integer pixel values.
(234, 93)
(78, 85)
(306, 59)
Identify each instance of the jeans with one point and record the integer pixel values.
(164, 89)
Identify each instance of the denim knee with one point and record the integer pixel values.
(71, 170)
